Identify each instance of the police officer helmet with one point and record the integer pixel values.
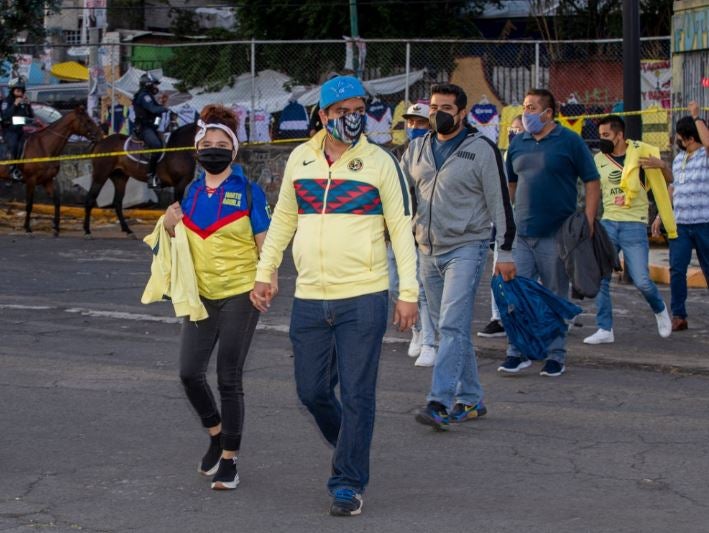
(148, 80)
(17, 83)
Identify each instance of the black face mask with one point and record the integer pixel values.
(215, 160)
(442, 122)
(606, 146)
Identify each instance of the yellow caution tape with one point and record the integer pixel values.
(649, 111)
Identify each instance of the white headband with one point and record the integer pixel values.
(202, 131)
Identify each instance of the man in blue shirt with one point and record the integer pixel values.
(543, 166)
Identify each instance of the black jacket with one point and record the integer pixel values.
(146, 109)
(586, 260)
(9, 110)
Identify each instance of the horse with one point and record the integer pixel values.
(175, 169)
(49, 142)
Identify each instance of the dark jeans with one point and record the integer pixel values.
(13, 138)
(340, 339)
(688, 236)
(232, 321)
(152, 140)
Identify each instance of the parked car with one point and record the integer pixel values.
(62, 96)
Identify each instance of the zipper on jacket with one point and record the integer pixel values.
(435, 182)
(322, 226)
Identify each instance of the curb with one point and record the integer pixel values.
(78, 212)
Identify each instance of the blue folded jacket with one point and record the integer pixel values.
(533, 316)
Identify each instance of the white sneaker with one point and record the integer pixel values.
(415, 344)
(602, 336)
(664, 323)
(427, 357)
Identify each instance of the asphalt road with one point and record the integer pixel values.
(96, 434)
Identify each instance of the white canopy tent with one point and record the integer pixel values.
(271, 95)
(129, 83)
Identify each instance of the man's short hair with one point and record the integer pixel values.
(547, 98)
(687, 128)
(461, 99)
(616, 123)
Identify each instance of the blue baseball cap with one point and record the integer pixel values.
(340, 88)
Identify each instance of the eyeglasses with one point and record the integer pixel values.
(516, 131)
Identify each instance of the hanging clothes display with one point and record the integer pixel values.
(293, 123)
(509, 112)
(379, 119)
(241, 114)
(398, 124)
(260, 127)
(484, 117)
(572, 109)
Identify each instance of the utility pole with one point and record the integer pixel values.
(354, 33)
(631, 68)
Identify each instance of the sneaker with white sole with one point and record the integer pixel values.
(552, 369)
(226, 478)
(346, 502)
(494, 328)
(427, 357)
(415, 344)
(664, 323)
(602, 336)
(513, 365)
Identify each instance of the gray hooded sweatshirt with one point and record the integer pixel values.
(457, 203)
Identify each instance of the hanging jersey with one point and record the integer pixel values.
(260, 127)
(220, 229)
(572, 110)
(294, 122)
(485, 119)
(508, 114)
(656, 128)
(398, 124)
(241, 114)
(186, 114)
(378, 126)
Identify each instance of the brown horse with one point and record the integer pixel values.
(175, 170)
(49, 142)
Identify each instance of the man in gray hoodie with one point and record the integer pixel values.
(460, 187)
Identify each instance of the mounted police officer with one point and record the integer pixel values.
(148, 113)
(16, 111)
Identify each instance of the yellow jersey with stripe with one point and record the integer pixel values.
(221, 226)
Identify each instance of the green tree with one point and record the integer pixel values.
(19, 17)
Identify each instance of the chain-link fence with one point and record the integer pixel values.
(263, 78)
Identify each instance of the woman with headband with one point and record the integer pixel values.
(226, 219)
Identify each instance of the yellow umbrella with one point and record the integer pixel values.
(70, 71)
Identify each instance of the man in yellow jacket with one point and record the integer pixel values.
(629, 170)
(339, 194)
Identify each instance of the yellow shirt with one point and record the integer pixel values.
(613, 196)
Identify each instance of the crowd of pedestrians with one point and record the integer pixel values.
(370, 230)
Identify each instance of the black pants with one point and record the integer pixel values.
(151, 138)
(13, 138)
(232, 321)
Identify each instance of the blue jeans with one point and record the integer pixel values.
(451, 281)
(340, 340)
(688, 236)
(424, 324)
(538, 258)
(631, 239)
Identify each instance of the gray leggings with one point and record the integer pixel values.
(232, 322)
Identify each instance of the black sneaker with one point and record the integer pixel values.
(346, 502)
(463, 413)
(210, 462)
(153, 181)
(226, 478)
(513, 365)
(493, 329)
(552, 369)
(434, 415)
(16, 174)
